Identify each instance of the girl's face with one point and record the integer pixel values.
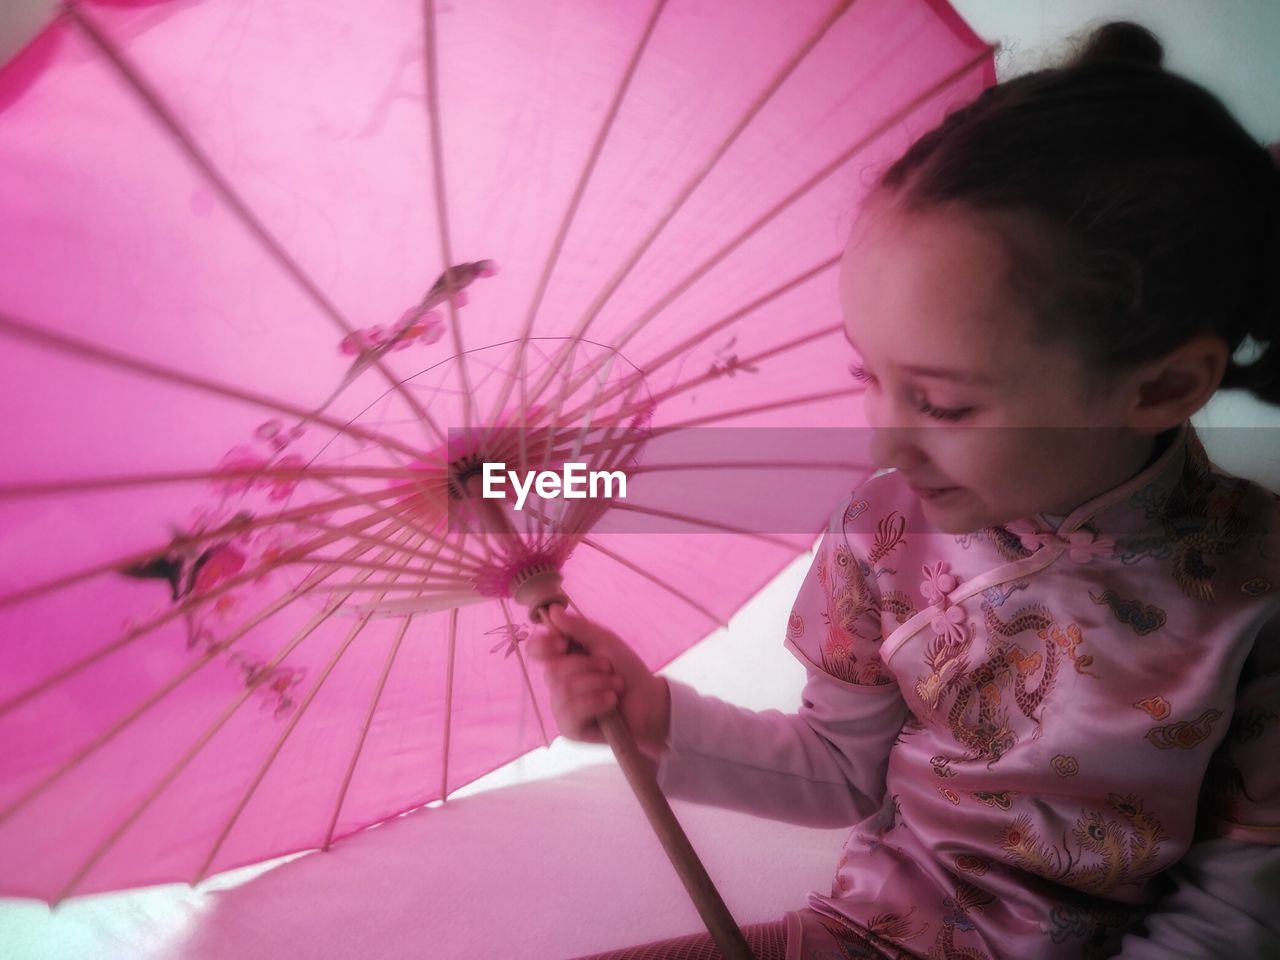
(986, 424)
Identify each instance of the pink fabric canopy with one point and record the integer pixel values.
(207, 205)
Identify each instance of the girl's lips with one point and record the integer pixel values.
(932, 493)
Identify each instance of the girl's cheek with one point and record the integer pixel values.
(873, 407)
(957, 454)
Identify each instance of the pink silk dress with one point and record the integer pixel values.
(1028, 726)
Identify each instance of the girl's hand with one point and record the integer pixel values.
(610, 674)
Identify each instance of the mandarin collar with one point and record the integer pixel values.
(1136, 506)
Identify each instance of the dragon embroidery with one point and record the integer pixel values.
(1123, 850)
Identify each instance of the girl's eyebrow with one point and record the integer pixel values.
(955, 376)
(941, 373)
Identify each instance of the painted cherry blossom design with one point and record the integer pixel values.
(728, 364)
(272, 683)
(246, 468)
(422, 323)
(512, 636)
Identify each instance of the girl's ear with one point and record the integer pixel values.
(1169, 390)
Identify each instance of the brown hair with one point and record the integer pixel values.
(1164, 211)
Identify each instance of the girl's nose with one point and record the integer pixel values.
(896, 447)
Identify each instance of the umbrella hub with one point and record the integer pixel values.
(538, 586)
(461, 471)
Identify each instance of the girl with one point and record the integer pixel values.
(1043, 648)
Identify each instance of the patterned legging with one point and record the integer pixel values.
(768, 941)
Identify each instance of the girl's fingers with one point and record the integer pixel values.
(577, 717)
(545, 644)
(587, 685)
(560, 670)
(589, 706)
(587, 633)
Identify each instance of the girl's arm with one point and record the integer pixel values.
(822, 766)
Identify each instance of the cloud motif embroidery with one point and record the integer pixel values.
(1144, 618)
(1157, 707)
(855, 509)
(1256, 587)
(1185, 734)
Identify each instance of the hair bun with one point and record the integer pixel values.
(1121, 42)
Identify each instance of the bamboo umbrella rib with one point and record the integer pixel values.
(702, 522)
(728, 464)
(580, 516)
(112, 566)
(746, 411)
(524, 672)
(137, 632)
(417, 587)
(403, 517)
(421, 573)
(752, 360)
(154, 794)
(687, 191)
(759, 408)
(585, 427)
(270, 759)
(517, 372)
(299, 516)
(186, 142)
(260, 617)
(11, 491)
(679, 594)
(555, 415)
(587, 511)
(364, 731)
(403, 549)
(385, 515)
(436, 137)
(626, 441)
(448, 704)
(773, 212)
(19, 330)
(688, 344)
(703, 335)
(605, 447)
(831, 465)
(373, 707)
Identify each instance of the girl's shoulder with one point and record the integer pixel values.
(880, 504)
(1236, 519)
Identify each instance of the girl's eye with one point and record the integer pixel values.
(949, 414)
(860, 373)
(943, 413)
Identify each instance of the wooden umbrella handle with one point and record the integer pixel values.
(638, 770)
(538, 590)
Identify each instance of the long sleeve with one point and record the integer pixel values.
(823, 766)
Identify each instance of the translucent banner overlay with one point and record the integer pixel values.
(761, 480)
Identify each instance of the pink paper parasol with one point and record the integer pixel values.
(249, 601)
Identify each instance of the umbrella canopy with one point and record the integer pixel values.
(279, 277)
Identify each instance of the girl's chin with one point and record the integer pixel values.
(950, 512)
